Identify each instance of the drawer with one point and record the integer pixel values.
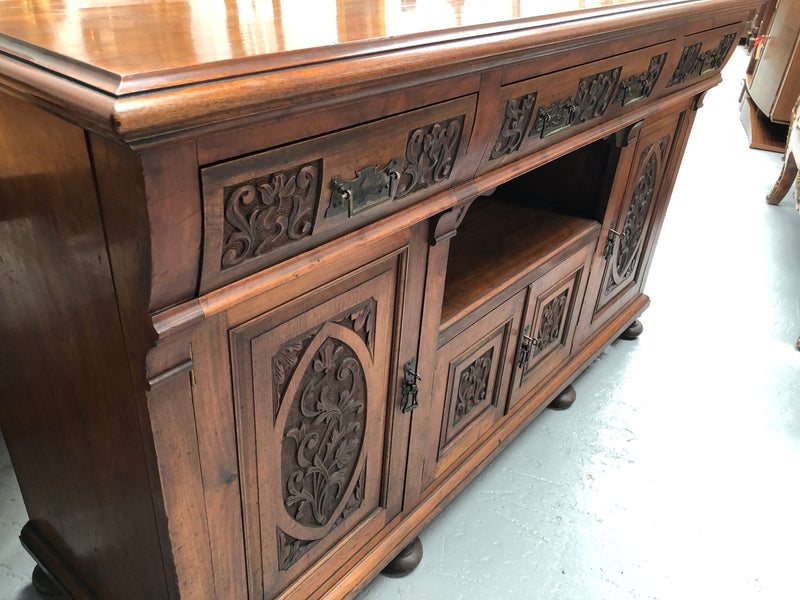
(548, 324)
(266, 207)
(538, 111)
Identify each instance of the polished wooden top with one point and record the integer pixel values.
(138, 68)
(132, 41)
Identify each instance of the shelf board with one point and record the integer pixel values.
(498, 243)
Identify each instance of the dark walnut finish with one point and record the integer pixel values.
(271, 295)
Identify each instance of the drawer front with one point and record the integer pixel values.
(264, 208)
(539, 111)
(471, 382)
(548, 326)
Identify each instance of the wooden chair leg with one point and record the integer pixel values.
(785, 179)
(797, 192)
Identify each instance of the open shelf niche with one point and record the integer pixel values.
(524, 222)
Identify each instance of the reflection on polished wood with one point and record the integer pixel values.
(126, 37)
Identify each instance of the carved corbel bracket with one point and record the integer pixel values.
(444, 225)
(698, 100)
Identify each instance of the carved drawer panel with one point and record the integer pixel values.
(263, 208)
(702, 54)
(539, 111)
(471, 383)
(310, 383)
(548, 325)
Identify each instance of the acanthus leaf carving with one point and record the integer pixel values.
(360, 319)
(323, 435)
(472, 386)
(693, 62)
(550, 330)
(518, 115)
(430, 155)
(290, 549)
(268, 212)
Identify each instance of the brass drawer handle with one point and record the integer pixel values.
(369, 188)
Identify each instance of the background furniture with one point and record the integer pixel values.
(269, 304)
(772, 83)
(789, 172)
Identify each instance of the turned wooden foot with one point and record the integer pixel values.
(406, 561)
(564, 400)
(633, 331)
(43, 584)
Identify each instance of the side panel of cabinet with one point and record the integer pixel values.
(620, 262)
(314, 414)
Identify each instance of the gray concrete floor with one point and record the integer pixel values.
(675, 474)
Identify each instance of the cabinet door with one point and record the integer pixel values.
(631, 223)
(313, 408)
(470, 388)
(548, 326)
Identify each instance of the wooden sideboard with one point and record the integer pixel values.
(274, 286)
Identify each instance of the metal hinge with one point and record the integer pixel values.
(410, 389)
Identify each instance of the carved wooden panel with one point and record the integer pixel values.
(518, 115)
(430, 156)
(548, 324)
(268, 212)
(537, 109)
(695, 62)
(311, 390)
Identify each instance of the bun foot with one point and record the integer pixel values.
(564, 400)
(633, 331)
(43, 584)
(406, 561)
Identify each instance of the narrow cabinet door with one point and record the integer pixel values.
(548, 326)
(470, 388)
(314, 415)
(631, 224)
